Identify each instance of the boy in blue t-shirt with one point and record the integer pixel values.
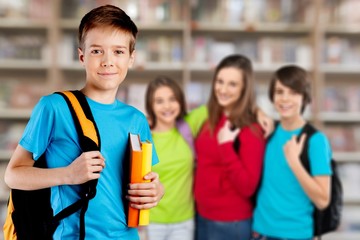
(288, 193)
(106, 51)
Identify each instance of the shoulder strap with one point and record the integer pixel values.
(185, 131)
(89, 140)
(309, 130)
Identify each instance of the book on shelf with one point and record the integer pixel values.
(341, 99)
(140, 165)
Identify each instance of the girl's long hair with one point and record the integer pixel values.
(243, 112)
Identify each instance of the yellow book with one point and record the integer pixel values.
(146, 168)
(140, 165)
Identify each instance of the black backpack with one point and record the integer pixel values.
(328, 219)
(30, 215)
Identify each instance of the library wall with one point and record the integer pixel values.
(185, 39)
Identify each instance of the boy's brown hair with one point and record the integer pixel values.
(105, 16)
(163, 81)
(295, 78)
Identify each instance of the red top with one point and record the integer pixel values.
(226, 180)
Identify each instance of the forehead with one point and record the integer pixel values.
(163, 91)
(107, 36)
(230, 73)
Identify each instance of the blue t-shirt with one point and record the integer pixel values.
(51, 130)
(283, 209)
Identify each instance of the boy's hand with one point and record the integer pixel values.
(86, 167)
(227, 134)
(292, 150)
(266, 123)
(146, 195)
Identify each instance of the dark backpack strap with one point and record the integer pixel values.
(309, 130)
(89, 140)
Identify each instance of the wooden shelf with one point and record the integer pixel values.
(22, 114)
(12, 64)
(5, 155)
(284, 28)
(341, 117)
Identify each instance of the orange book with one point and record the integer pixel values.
(140, 165)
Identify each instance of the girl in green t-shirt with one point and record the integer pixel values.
(173, 218)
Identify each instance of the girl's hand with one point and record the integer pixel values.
(227, 133)
(266, 123)
(146, 195)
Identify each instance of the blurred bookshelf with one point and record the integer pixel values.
(185, 39)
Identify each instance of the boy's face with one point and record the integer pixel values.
(106, 58)
(287, 102)
(228, 87)
(165, 106)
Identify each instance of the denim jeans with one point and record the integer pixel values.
(217, 230)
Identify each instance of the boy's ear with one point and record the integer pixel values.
(81, 56)
(132, 58)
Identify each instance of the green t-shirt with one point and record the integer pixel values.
(175, 168)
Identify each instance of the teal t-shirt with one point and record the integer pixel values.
(176, 171)
(51, 131)
(283, 209)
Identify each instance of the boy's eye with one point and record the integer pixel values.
(278, 91)
(119, 52)
(95, 51)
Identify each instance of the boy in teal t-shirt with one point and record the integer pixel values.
(106, 51)
(288, 193)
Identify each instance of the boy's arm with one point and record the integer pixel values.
(20, 173)
(146, 195)
(316, 187)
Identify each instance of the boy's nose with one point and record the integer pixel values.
(107, 61)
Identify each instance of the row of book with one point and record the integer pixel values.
(343, 138)
(144, 11)
(22, 46)
(10, 134)
(341, 98)
(252, 11)
(341, 11)
(20, 94)
(263, 50)
(341, 50)
(350, 178)
(29, 9)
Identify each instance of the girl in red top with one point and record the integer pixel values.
(226, 176)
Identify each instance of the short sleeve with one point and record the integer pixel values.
(37, 133)
(196, 119)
